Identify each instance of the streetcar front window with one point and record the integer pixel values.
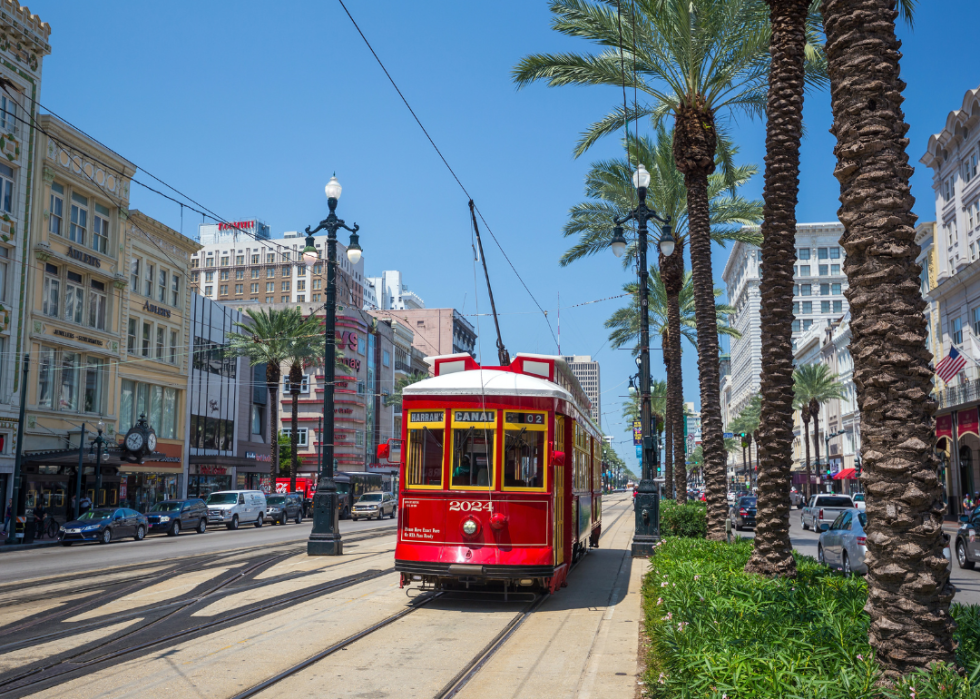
(472, 457)
(426, 437)
(524, 450)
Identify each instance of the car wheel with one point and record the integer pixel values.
(140, 533)
(234, 522)
(803, 523)
(260, 521)
(846, 565)
(106, 536)
(820, 558)
(353, 519)
(299, 517)
(738, 527)
(67, 543)
(174, 529)
(202, 526)
(961, 558)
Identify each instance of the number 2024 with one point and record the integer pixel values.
(470, 506)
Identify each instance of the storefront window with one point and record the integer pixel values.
(202, 486)
(159, 404)
(140, 491)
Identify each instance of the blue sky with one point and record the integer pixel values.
(250, 106)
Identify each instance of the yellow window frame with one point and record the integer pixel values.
(453, 425)
(543, 427)
(438, 424)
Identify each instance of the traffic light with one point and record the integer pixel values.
(857, 467)
(745, 439)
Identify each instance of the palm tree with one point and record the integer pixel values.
(610, 190)
(625, 325)
(401, 384)
(746, 422)
(813, 384)
(908, 583)
(307, 345)
(697, 60)
(273, 338)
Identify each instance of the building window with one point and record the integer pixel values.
(195, 263)
(159, 404)
(958, 331)
(79, 218)
(68, 392)
(239, 274)
(835, 269)
(209, 276)
(796, 308)
(56, 213)
(100, 229)
(317, 269)
(239, 288)
(838, 306)
(301, 270)
(175, 290)
(316, 284)
(804, 289)
(209, 262)
(208, 290)
(285, 286)
(131, 337)
(822, 253)
(224, 290)
(8, 114)
(255, 259)
(316, 298)
(255, 274)
(825, 289)
(300, 298)
(796, 290)
(807, 324)
(270, 257)
(835, 289)
(161, 336)
(804, 270)
(825, 306)
(93, 385)
(270, 299)
(948, 189)
(286, 271)
(270, 272)
(257, 417)
(224, 260)
(807, 307)
(824, 270)
(74, 298)
(195, 277)
(284, 299)
(148, 282)
(224, 275)
(162, 287)
(96, 304)
(803, 254)
(270, 287)
(300, 285)
(285, 256)
(239, 259)
(173, 346)
(301, 435)
(253, 288)
(835, 253)
(45, 378)
(976, 321)
(147, 331)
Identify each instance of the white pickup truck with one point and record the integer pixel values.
(823, 509)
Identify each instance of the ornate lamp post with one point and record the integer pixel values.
(647, 503)
(325, 537)
(95, 453)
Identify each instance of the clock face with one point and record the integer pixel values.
(134, 441)
(151, 441)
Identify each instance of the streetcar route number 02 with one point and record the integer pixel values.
(470, 506)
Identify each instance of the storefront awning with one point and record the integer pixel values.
(847, 473)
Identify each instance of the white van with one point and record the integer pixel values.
(234, 507)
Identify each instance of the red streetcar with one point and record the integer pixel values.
(500, 475)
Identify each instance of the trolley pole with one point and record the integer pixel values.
(646, 506)
(325, 537)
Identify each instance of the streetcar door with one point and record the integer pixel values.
(559, 486)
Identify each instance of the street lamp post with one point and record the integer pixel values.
(646, 506)
(325, 537)
(96, 449)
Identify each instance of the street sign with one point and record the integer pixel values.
(729, 435)
(637, 432)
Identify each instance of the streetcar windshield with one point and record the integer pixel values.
(472, 456)
(524, 450)
(423, 464)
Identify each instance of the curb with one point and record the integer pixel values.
(6, 548)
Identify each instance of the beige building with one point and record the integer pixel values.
(436, 330)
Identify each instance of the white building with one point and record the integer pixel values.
(390, 294)
(587, 373)
(818, 299)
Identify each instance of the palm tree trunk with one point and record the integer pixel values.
(273, 375)
(909, 592)
(694, 152)
(806, 443)
(772, 554)
(295, 384)
(815, 416)
(668, 452)
(668, 416)
(672, 274)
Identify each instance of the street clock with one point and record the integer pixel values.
(141, 441)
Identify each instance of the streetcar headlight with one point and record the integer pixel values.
(470, 527)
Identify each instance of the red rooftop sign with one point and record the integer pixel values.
(239, 225)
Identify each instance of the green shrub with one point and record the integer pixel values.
(689, 519)
(715, 630)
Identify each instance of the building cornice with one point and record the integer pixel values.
(955, 132)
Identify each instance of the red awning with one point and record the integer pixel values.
(846, 473)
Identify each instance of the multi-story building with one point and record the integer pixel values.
(951, 279)
(227, 407)
(23, 48)
(242, 266)
(390, 294)
(818, 298)
(587, 373)
(436, 330)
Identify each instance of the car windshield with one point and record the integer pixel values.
(96, 515)
(863, 519)
(747, 502)
(222, 498)
(275, 499)
(370, 497)
(858, 498)
(166, 506)
(834, 502)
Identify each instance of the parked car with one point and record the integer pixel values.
(967, 544)
(173, 516)
(843, 544)
(104, 524)
(824, 508)
(858, 499)
(373, 506)
(796, 498)
(235, 507)
(742, 513)
(280, 507)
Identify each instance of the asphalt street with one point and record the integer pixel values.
(967, 582)
(59, 560)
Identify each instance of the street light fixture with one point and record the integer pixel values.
(325, 537)
(97, 451)
(647, 502)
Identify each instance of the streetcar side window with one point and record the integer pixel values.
(426, 437)
(474, 436)
(524, 450)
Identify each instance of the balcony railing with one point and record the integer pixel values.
(966, 392)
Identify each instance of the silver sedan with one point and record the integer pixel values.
(842, 545)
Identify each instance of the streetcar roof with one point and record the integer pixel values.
(488, 382)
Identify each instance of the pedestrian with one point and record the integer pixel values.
(84, 505)
(39, 520)
(8, 516)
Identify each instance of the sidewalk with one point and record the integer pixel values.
(5, 548)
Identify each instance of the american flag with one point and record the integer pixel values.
(951, 365)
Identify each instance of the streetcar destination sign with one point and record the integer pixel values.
(474, 416)
(425, 417)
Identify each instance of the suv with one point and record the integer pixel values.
(373, 506)
(823, 509)
(233, 507)
(173, 516)
(282, 506)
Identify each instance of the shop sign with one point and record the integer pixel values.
(237, 225)
(250, 455)
(122, 488)
(344, 411)
(81, 338)
(165, 460)
(349, 339)
(159, 310)
(352, 362)
(263, 457)
(82, 256)
(212, 470)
